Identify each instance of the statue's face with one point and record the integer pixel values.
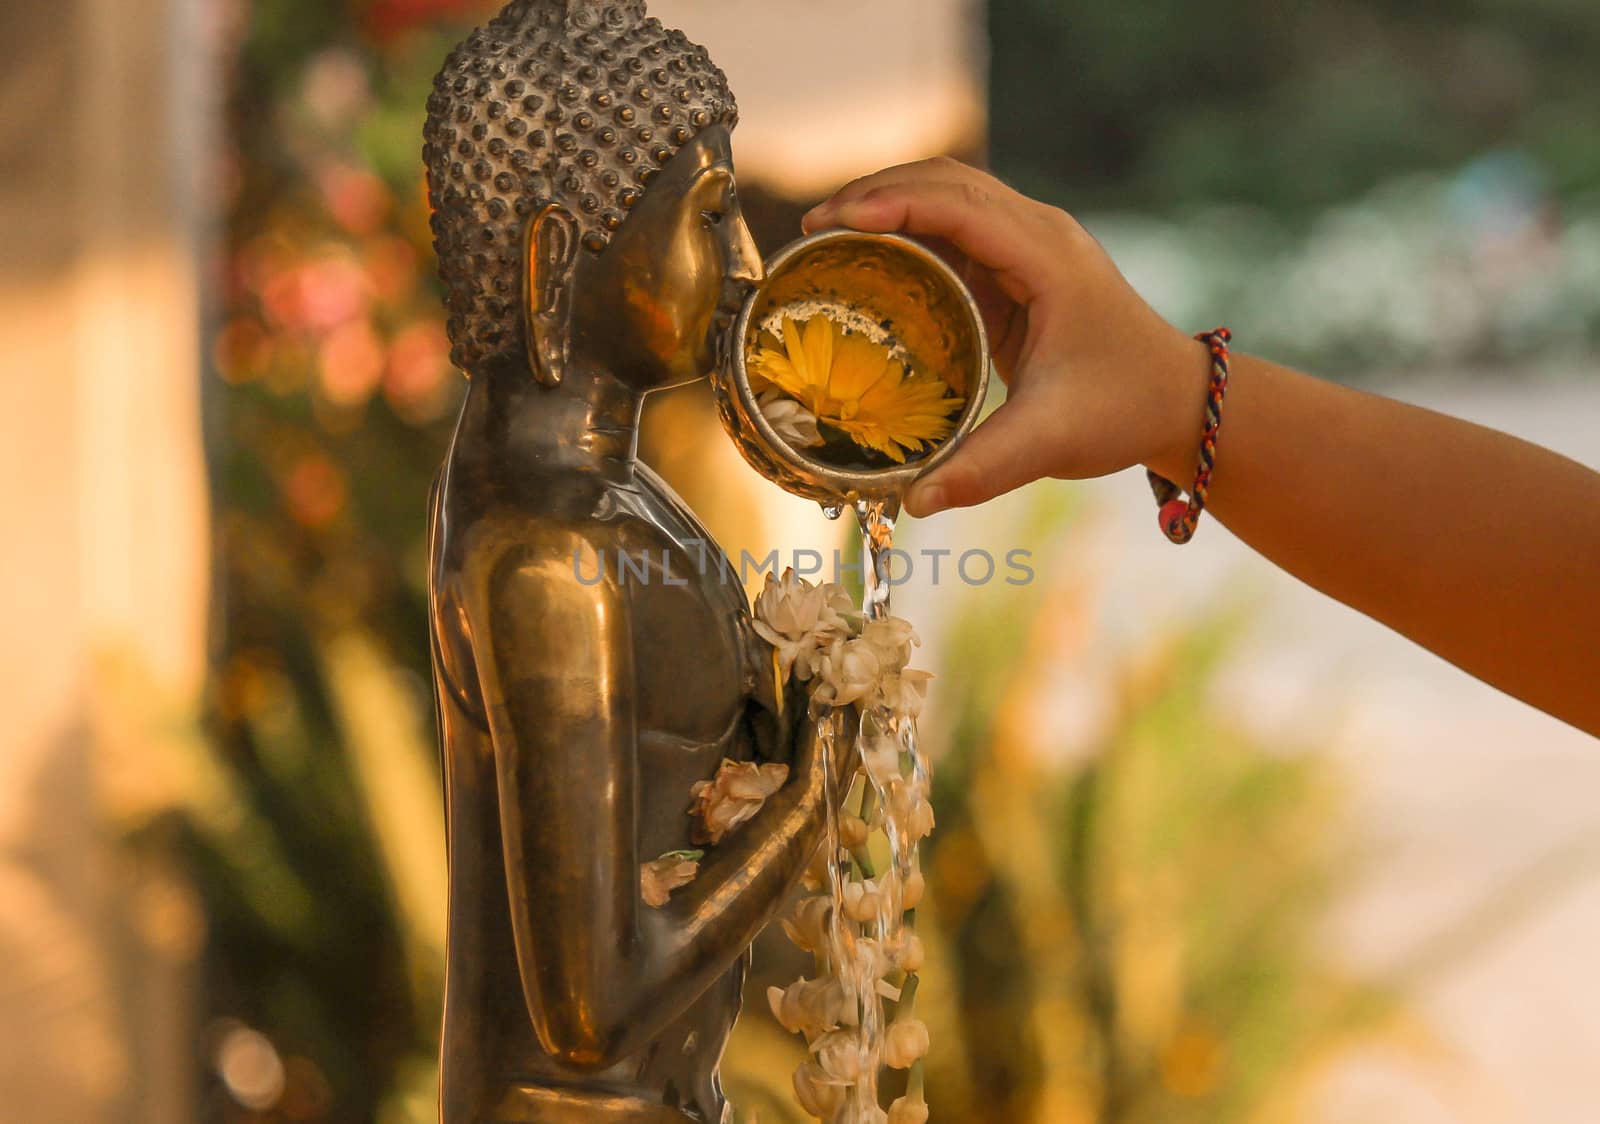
(656, 304)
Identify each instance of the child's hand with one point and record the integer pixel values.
(1473, 543)
(1098, 381)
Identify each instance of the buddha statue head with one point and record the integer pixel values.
(584, 206)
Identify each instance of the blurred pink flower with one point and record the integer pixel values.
(356, 198)
(315, 296)
(333, 289)
(314, 491)
(350, 363)
(419, 365)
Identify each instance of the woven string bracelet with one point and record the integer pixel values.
(1179, 517)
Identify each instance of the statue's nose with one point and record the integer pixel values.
(745, 266)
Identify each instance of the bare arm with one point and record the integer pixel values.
(1479, 546)
(556, 662)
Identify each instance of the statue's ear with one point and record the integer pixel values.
(551, 252)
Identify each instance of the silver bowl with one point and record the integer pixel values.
(889, 288)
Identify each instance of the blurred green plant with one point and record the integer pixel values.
(1295, 108)
(1349, 185)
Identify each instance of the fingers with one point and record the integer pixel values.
(1011, 241)
(940, 169)
(998, 456)
(1001, 315)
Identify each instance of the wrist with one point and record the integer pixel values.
(1181, 408)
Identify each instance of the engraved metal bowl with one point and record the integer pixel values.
(889, 288)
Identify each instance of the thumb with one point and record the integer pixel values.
(1001, 454)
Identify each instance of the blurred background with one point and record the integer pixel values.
(1211, 848)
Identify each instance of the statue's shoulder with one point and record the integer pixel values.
(505, 539)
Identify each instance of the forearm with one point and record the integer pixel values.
(698, 935)
(1481, 547)
(748, 873)
(709, 923)
(1477, 545)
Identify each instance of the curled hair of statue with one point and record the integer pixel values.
(576, 103)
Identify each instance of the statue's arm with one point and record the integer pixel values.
(602, 973)
(555, 659)
(743, 878)
(708, 924)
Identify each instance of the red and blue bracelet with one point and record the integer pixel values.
(1179, 516)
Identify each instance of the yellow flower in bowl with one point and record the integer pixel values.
(850, 384)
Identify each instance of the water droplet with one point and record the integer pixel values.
(832, 510)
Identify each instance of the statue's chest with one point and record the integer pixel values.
(695, 653)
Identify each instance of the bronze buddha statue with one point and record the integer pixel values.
(592, 248)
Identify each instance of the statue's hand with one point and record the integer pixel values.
(818, 760)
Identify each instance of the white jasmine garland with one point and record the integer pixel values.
(840, 1055)
(811, 1007)
(904, 1043)
(657, 879)
(880, 755)
(911, 892)
(801, 620)
(850, 669)
(903, 692)
(818, 1094)
(732, 797)
(910, 807)
(808, 930)
(855, 927)
(862, 901)
(853, 830)
(892, 638)
(908, 954)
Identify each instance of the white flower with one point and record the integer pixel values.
(892, 638)
(881, 756)
(910, 808)
(904, 1042)
(903, 692)
(849, 670)
(811, 1007)
(909, 1110)
(919, 821)
(795, 424)
(801, 620)
(912, 893)
(736, 794)
(808, 930)
(908, 952)
(870, 962)
(853, 830)
(862, 901)
(919, 825)
(659, 878)
(820, 1095)
(840, 1055)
